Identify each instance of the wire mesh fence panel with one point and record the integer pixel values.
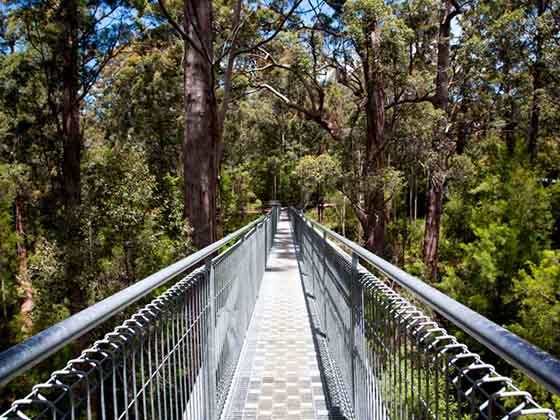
(174, 358)
(393, 360)
(151, 366)
(238, 274)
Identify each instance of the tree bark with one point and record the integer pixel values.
(437, 179)
(344, 216)
(374, 223)
(374, 226)
(72, 151)
(508, 132)
(538, 84)
(200, 145)
(441, 99)
(432, 230)
(23, 279)
(320, 211)
(72, 142)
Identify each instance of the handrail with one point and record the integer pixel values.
(536, 363)
(23, 356)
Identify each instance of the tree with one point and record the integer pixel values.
(8, 256)
(203, 135)
(319, 176)
(70, 43)
(368, 30)
(200, 147)
(538, 288)
(443, 145)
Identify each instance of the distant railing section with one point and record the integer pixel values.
(173, 359)
(384, 358)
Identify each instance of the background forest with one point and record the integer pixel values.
(132, 133)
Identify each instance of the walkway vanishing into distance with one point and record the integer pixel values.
(282, 319)
(278, 374)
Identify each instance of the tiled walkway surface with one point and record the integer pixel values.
(278, 376)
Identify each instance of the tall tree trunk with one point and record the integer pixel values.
(432, 230)
(462, 135)
(437, 179)
(538, 84)
(508, 131)
(320, 210)
(200, 145)
(441, 100)
(511, 124)
(72, 150)
(373, 222)
(374, 226)
(222, 113)
(23, 279)
(343, 216)
(72, 146)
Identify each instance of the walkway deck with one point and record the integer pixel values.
(278, 376)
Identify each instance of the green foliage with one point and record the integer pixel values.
(130, 232)
(47, 275)
(140, 102)
(239, 202)
(8, 240)
(537, 288)
(507, 216)
(317, 174)
(359, 14)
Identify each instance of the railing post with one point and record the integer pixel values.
(324, 279)
(275, 214)
(299, 220)
(211, 354)
(266, 222)
(356, 307)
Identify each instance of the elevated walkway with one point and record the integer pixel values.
(283, 319)
(278, 375)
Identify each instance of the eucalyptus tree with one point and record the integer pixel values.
(318, 175)
(67, 44)
(212, 48)
(358, 54)
(443, 144)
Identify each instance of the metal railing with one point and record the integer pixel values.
(383, 357)
(173, 359)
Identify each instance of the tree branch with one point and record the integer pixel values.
(172, 22)
(310, 114)
(195, 24)
(279, 28)
(180, 31)
(411, 100)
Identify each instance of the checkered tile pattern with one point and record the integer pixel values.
(278, 377)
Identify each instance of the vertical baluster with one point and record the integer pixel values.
(212, 356)
(355, 306)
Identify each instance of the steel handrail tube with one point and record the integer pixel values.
(531, 360)
(18, 359)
